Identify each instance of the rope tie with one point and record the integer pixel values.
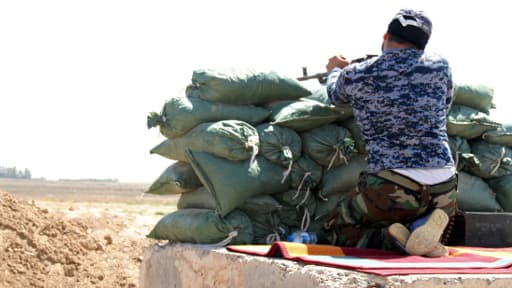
(224, 242)
(322, 197)
(337, 153)
(498, 162)
(306, 196)
(252, 142)
(272, 237)
(300, 185)
(287, 172)
(306, 220)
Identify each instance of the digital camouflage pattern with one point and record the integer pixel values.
(400, 102)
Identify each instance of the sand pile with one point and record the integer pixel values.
(43, 249)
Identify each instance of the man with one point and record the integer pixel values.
(400, 101)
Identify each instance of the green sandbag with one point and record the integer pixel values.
(461, 153)
(231, 139)
(329, 145)
(181, 114)
(303, 114)
(298, 207)
(199, 198)
(305, 173)
(493, 160)
(280, 145)
(479, 97)
(203, 226)
(178, 178)
(262, 204)
(352, 126)
(502, 186)
(342, 179)
(501, 136)
(324, 208)
(231, 183)
(267, 228)
(475, 195)
(468, 123)
(320, 94)
(243, 87)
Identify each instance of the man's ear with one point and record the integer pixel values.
(385, 37)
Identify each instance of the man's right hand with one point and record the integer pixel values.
(336, 61)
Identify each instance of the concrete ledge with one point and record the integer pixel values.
(187, 265)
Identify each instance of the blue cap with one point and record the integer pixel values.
(412, 26)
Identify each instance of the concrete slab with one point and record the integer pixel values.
(188, 265)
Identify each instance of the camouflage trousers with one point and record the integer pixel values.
(362, 217)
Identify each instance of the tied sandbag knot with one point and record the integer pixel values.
(306, 220)
(307, 174)
(252, 143)
(287, 152)
(224, 242)
(337, 154)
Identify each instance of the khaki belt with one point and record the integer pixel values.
(410, 184)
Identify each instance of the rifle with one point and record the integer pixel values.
(322, 77)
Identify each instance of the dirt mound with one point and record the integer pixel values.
(43, 249)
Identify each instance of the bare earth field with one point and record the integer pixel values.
(75, 233)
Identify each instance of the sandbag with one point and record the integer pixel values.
(342, 179)
(461, 153)
(329, 145)
(231, 139)
(231, 183)
(267, 228)
(468, 123)
(243, 87)
(352, 126)
(479, 97)
(320, 94)
(501, 136)
(305, 173)
(279, 144)
(297, 212)
(178, 178)
(180, 114)
(502, 186)
(261, 204)
(475, 195)
(493, 160)
(324, 208)
(302, 115)
(199, 198)
(203, 226)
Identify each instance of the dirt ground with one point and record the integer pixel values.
(78, 243)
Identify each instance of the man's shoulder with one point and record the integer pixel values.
(431, 57)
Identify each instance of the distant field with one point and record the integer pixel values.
(84, 191)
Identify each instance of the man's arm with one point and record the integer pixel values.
(336, 79)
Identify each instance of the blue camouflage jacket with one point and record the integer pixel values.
(400, 101)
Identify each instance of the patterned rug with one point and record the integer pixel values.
(461, 260)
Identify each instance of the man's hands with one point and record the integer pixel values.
(336, 61)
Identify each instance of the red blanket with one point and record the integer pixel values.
(461, 260)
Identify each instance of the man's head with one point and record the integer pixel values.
(409, 27)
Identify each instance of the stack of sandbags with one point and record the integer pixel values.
(240, 169)
(258, 156)
(481, 149)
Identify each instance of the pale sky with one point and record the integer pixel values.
(78, 78)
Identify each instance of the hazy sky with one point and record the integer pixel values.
(78, 78)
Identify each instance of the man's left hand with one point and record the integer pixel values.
(336, 61)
